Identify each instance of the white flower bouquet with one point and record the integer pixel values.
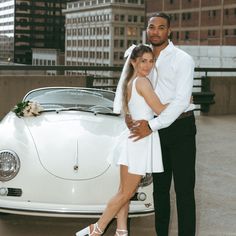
(27, 109)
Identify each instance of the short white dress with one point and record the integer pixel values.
(143, 156)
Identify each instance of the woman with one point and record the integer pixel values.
(135, 158)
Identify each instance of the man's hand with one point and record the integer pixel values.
(139, 130)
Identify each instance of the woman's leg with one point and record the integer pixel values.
(122, 216)
(128, 185)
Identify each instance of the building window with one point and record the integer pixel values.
(173, 17)
(122, 31)
(171, 1)
(186, 35)
(133, 1)
(116, 31)
(226, 12)
(189, 15)
(122, 17)
(116, 17)
(177, 35)
(116, 55)
(68, 43)
(226, 32)
(185, 16)
(116, 43)
(212, 13)
(211, 33)
(106, 30)
(106, 43)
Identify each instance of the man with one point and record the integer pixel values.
(176, 126)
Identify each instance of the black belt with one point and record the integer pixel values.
(183, 115)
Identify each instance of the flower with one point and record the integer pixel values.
(27, 108)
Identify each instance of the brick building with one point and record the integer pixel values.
(199, 22)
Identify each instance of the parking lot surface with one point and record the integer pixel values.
(215, 192)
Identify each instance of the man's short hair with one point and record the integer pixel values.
(163, 15)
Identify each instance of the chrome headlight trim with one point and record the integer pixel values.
(9, 165)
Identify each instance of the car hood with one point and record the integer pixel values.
(74, 145)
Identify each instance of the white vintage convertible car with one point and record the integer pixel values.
(55, 163)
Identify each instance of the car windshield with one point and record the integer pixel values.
(61, 98)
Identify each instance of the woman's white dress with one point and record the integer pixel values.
(143, 156)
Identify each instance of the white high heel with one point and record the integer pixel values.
(121, 232)
(86, 231)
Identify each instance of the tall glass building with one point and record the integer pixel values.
(27, 24)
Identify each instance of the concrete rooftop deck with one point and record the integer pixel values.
(215, 192)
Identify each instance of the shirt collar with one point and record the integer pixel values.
(167, 49)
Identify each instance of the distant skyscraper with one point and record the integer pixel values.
(99, 31)
(27, 24)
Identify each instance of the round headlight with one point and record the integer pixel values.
(9, 165)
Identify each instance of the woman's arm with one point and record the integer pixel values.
(145, 89)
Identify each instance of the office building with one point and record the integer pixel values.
(48, 57)
(204, 28)
(27, 24)
(199, 22)
(99, 31)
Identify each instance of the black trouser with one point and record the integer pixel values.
(179, 154)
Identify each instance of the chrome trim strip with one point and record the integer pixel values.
(61, 212)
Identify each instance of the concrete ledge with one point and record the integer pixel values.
(13, 88)
(225, 96)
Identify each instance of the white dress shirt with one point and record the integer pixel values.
(173, 83)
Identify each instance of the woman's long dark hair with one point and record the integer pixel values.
(138, 51)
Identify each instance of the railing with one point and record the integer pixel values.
(203, 96)
(97, 68)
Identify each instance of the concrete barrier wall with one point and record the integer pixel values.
(13, 88)
(225, 96)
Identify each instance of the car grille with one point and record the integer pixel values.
(14, 192)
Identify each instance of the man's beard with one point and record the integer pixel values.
(157, 44)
